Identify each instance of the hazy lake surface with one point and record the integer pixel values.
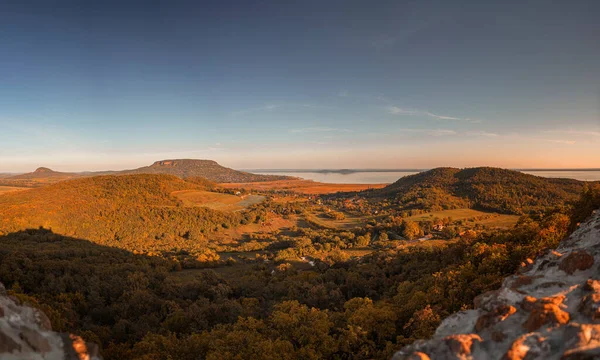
(389, 177)
(569, 174)
(352, 178)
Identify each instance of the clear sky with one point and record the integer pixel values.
(91, 85)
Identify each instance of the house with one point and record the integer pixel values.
(438, 227)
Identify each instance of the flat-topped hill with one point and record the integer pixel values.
(207, 169)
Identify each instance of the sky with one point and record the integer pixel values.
(96, 85)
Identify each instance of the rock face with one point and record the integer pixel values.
(550, 310)
(25, 333)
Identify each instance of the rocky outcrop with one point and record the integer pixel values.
(25, 333)
(549, 310)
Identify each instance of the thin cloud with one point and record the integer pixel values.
(431, 132)
(271, 107)
(395, 110)
(567, 142)
(442, 117)
(575, 132)
(268, 107)
(320, 129)
(482, 133)
(534, 138)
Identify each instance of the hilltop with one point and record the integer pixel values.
(484, 188)
(182, 168)
(208, 169)
(43, 173)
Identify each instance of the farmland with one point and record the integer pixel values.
(301, 186)
(217, 201)
(7, 189)
(471, 216)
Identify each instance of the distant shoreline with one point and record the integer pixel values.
(354, 171)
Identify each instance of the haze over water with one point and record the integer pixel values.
(391, 176)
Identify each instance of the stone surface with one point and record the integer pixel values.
(549, 310)
(25, 333)
(577, 260)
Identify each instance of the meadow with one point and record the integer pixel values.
(489, 219)
(216, 200)
(7, 189)
(301, 186)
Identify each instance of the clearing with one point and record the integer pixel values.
(301, 186)
(322, 220)
(217, 201)
(7, 189)
(475, 216)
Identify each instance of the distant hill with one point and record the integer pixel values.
(134, 212)
(43, 173)
(182, 168)
(485, 188)
(207, 169)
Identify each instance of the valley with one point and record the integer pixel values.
(139, 263)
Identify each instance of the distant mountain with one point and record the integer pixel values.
(485, 188)
(182, 168)
(208, 169)
(43, 173)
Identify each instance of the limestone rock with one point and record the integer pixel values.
(549, 310)
(25, 333)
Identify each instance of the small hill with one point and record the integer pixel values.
(485, 188)
(43, 173)
(207, 169)
(133, 212)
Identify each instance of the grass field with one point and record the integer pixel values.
(322, 220)
(217, 201)
(302, 186)
(498, 220)
(7, 189)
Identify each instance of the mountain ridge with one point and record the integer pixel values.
(486, 188)
(182, 168)
(208, 169)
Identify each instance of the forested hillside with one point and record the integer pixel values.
(138, 306)
(133, 212)
(483, 188)
(134, 308)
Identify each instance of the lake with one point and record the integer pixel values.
(386, 177)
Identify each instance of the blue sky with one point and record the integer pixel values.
(278, 84)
